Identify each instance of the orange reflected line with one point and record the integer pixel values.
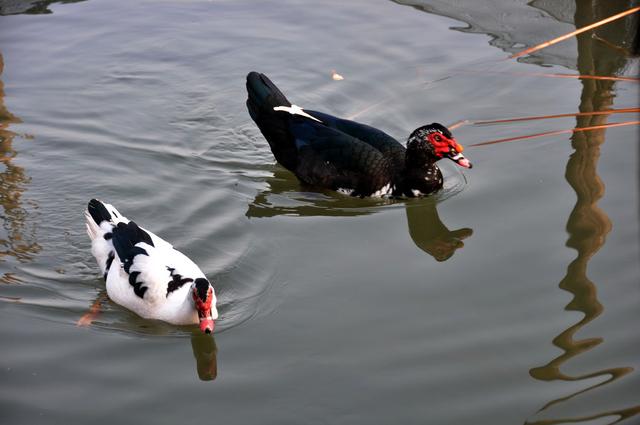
(588, 77)
(553, 75)
(544, 117)
(576, 32)
(459, 124)
(11, 299)
(553, 133)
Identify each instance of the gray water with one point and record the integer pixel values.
(511, 297)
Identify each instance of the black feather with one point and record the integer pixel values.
(125, 237)
(128, 261)
(110, 258)
(138, 289)
(333, 159)
(202, 287)
(263, 93)
(263, 96)
(176, 281)
(133, 278)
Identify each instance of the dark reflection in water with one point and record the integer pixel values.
(205, 351)
(513, 25)
(588, 225)
(430, 234)
(29, 7)
(203, 345)
(287, 196)
(18, 239)
(605, 52)
(426, 229)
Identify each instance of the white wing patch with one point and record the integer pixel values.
(295, 110)
(383, 191)
(345, 191)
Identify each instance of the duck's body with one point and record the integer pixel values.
(145, 274)
(343, 155)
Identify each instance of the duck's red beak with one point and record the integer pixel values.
(461, 161)
(207, 324)
(455, 154)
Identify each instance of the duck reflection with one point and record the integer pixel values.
(588, 225)
(203, 345)
(430, 234)
(287, 196)
(205, 351)
(17, 237)
(602, 52)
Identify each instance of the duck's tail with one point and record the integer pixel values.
(100, 220)
(98, 212)
(263, 96)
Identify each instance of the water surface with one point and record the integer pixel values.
(511, 297)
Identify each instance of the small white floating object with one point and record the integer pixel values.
(336, 76)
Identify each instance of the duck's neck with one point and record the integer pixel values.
(418, 179)
(179, 304)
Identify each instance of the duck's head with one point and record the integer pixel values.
(432, 142)
(205, 302)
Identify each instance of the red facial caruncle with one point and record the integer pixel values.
(204, 310)
(448, 147)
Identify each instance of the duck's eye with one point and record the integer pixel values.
(438, 138)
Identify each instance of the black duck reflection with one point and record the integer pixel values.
(430, 234)
(18, 238)
(601, 52)
(287, 196)
(588, 225)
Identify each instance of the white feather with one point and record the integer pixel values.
(100, 247)
(383, 191)
(345, 191)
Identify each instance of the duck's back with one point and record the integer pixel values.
(330, 158)
(388, 146)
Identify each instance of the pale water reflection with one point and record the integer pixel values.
(18, 237)
(601, 53)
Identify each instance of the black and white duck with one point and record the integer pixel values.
(346, 156)
(145, 274)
